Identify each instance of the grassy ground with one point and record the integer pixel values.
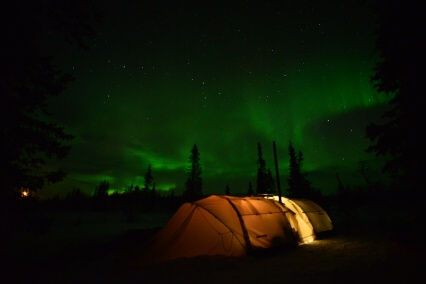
(382, 243)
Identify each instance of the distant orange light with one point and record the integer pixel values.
(25, 193)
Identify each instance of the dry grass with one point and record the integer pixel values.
(384, 248)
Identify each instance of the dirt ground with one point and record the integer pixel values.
(362, 252)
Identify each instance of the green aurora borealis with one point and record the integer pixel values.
(159, 78)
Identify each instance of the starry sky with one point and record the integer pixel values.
(226, 75)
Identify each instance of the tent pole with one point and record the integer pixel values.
(277, 173)
(243, 228)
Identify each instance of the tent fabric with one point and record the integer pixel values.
(317, 216)
(223, 225)
(237, 226)
(310, 219)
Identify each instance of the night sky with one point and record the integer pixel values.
(163, 75)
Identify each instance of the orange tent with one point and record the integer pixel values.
(223, 225)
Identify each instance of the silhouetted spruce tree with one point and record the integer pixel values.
(265, 181)
(261, 171)
(74, 199)
(194, 183)
(28, 79)
(367, 174)
(102, 189)
(298, 185)
(227, 190)
(129, 190)
(100, 196)
(149, 192)
(399, 76)
(250, 189)
(149, 179)
(153, 190)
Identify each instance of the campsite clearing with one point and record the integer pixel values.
(352, 258)
(382, 245)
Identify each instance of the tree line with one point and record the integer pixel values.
(298, 184)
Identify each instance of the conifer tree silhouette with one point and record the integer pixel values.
(265, 181)
(194, 183)
(28, 79)
(298, 185)
(250, 189)
(399, 76)
(149, 179)
(227, 190)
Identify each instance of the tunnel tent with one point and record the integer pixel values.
(310, 219)
(223, 225)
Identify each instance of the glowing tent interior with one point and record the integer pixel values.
(309, 219)
(233, 226)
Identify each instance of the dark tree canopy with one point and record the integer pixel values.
(398, 75)
(101, 191)
(28, 78)
(100, 196)
(265, 181)
(149, 179)
(250, 190)
(227, 190)
(194, 183)
(298, 185)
